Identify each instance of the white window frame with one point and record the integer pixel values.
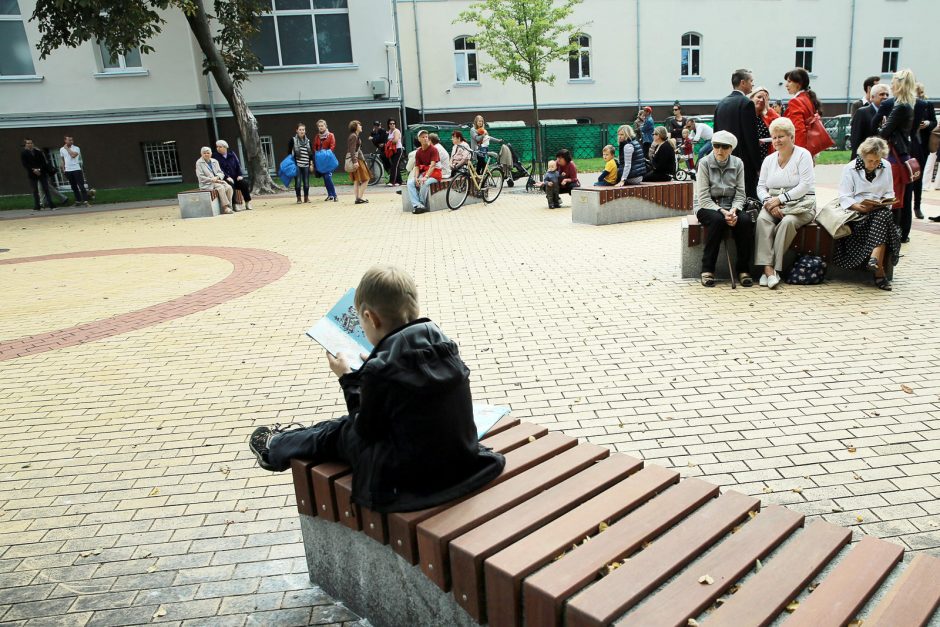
(122, 70)
(808, 46)
(274, 13)
(465, 55)
(692, 48)
(20, 77)
(582, 52)
(166, 153)
(59, 180)
(267, 146)
(896, 51)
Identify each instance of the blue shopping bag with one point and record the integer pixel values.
(288, 170)
(325, 161)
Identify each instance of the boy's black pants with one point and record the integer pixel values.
(331, 441)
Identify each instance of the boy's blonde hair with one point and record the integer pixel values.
(552, 164)
(390, 292)
(609, 149)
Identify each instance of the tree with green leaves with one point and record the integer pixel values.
(223, 37)
(521, 38)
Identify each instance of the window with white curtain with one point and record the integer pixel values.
(579, 60)
(16, 58)
(690, 55)
(465, 60)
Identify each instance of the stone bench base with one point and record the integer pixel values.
(691, 256)
(199, 203)
(647, 201)
(437, 199)
(374, 581)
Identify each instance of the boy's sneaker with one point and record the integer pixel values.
(258, 445)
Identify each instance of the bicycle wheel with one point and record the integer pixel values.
(492, 185)
(376, 169)
(458, 190)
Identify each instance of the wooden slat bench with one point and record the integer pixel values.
(571, 534)
(437, 199)
(646, 201)
(811, 239)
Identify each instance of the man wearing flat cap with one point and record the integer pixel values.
(735, 113)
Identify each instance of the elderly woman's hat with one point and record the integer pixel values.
(724, 137)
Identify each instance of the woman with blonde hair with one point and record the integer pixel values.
(898, 116)
(632, 162)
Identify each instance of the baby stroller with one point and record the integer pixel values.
(511, 166)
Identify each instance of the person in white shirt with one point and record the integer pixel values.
(787, 190)
(71, 158)
(700, 132)
(460, 153)
(875, 239)
(444, 162)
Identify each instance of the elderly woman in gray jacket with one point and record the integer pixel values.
(719, 197)
(211, 177)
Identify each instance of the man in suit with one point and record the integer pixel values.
(735, 113)
(870, 82)
(862, 127)
(38, 170)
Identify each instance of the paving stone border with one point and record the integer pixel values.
(252, 269)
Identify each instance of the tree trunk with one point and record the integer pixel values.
(538, 131)
(261, 182)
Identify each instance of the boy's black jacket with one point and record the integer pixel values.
(410, 403)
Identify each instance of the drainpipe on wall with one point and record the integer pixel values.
(215, 124)
(638, 53)
(414, 14)
(401, 78)
(848, 81)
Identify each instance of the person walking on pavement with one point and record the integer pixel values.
(38, 170)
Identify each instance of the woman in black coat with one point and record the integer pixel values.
(662, 157)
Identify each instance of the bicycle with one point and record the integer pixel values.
(488, 182)
(376, 168)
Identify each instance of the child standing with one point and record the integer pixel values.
(551, 178)
(409, 436)
(688, 150)
(609, 176)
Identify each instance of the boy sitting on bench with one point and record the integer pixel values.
(409, 436)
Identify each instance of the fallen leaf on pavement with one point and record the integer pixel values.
(160, 613)
(706, 580)
(792, 606)
(907, 389)
(851, 449)
(154, 492)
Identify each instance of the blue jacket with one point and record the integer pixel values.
(229, 164)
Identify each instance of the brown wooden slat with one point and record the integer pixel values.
(761, 599)
(685, 597)
(468, 551)
(348, 511)
(504, 423)
(303, 486)
(374, 524)
(545, 592)
(503, 572)
(515, 437)
(825, 245)
(845, 590)
(322, 477)
(402, 527)
(435, 534)
(622, 589)
(913, 598)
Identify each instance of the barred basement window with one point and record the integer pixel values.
(162, 161)
(267, 146)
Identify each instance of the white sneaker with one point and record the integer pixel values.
(763, 280)
(773, 281)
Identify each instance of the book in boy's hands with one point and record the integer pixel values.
(339, 331)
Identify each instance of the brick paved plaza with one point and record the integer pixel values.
(127, 493)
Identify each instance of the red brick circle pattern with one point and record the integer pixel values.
(253, 268)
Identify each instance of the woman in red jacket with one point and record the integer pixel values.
(325, 140)
(804, 104)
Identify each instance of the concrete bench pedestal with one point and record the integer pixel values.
(199, 203)
(437, 199)
(615, 205)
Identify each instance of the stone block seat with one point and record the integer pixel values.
(437, 199)
(572, 534)
(811, 239)
(646, 201)
(199, 203)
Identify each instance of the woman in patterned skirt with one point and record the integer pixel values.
(875, 238)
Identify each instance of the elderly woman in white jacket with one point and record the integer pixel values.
(211, 177)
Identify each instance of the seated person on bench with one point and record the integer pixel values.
(719, 196)
(409, 436)
(568, 172)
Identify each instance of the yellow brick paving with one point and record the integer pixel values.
(126, 488)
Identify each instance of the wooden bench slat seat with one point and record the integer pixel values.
(842, 594)
(435, 533)
(402, 527)
(610, 597)
(685, 597)
(546, 591)
(530, 548)
(764, 596)
(914, 597)
(504, 571)
(468, 551)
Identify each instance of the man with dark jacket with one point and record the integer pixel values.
(378, 137)
(870, 82)
(410, 436)
(37, 170)
(736, 114)
(862, 127)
